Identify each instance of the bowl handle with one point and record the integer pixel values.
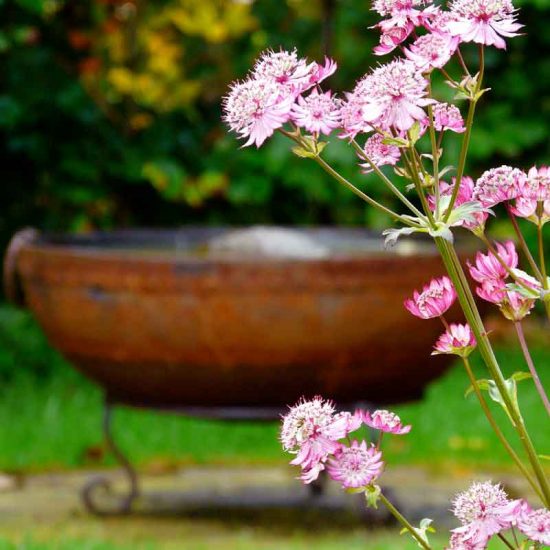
(12, 283)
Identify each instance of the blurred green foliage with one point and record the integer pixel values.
(110, 110)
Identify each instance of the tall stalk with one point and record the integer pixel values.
(531, 366)
(500, 435)
(467, 302)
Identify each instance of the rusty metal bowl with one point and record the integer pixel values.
(158, 321)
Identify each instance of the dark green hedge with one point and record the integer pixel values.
(67, 162)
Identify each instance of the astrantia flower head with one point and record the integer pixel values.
(381, 154)
(484, 21)
(458, 542)
(311, 430)
(393, 36)
(319, 113)
(283, 67)
(479, 500)
(293, 74)
(514, 305)
(536, 525)
(487, 266)
(254, 109)
(456, 340)
(448, 117)
(484, 510)
(537, 184)
(393, 7)
(355, 466)
(385, 421)
(499, 184)
(535, 211)
(430, 51)
(434, 300)
(392, 96)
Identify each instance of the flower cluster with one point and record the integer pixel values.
(448, 117)
(313, 429)
(391, 97)
(379, 153)
(485, 510)
(272, 96)
(434, 300)
(456, 340)
(483, 21)
(533, 200)
(492, 270)
(498, 185)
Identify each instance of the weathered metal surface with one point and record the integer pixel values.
(157, 325)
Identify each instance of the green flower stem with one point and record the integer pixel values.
(462, 62)
(387, 181)
(542, 261)
(435, 151)
(466, 299)
(467, 134)
(531, 365)
(523, 245)
(505, 541)
(340, 179)
(404, 522)
(513, 455)
(413, 170)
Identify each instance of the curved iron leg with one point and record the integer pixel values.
(101, 482)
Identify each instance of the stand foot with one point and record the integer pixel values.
(103, 484)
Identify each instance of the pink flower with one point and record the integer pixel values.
(385, 421)
(311, 430)
(379, 153)
(355, 466)
(292, 74)
(318, 113)
(320, 72)
(392, 8)
(394, 36)
(537, 184)
(484, 21)
(434, 300)
(448, 117)
(431, 51)
(458, 542)
(456, 340)
(536, 526)
(351, 116)
(512, 304)
(531, 210)
(492, 290)
(499, 184)
(391, 96)
(484, 510)
(254, 109)
(533, 200)
(487, 265)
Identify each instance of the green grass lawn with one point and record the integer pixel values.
(50, 417)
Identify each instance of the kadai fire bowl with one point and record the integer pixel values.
(185, 320)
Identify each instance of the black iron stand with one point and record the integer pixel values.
(90, 490)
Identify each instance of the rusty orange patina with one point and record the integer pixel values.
(157, 322)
